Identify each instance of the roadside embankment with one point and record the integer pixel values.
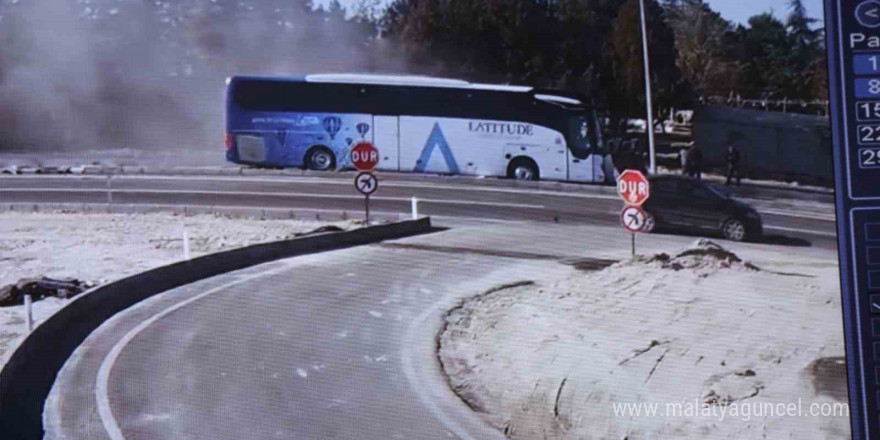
(701, 326)
(104, 247)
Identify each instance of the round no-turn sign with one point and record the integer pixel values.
(366, 183)
(633, 218)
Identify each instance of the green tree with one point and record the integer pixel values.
(545, 43)
(510, 40)
(626, 85)
(765, 50)
(806, 59)
(703, 40)
(800, 26)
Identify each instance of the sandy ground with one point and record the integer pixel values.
(104, 247)
(551, 361)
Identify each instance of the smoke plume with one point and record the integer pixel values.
(108, 74)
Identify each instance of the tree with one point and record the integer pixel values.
(782, 60)
(703, 40)
(513, 40)
(765, 50)
(807, 55)
(800, 26)
(625, 56)
(543, 43)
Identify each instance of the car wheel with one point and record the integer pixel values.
(733, 230)
(320, 159)
(523, 169)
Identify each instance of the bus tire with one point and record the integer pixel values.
(320, 159)
(523, 168)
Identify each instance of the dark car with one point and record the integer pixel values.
(683, 203)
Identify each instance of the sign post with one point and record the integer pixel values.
(634, 188)
(633, 220)
(366, 183)
(365, 157)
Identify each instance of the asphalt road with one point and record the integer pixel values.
(335, 345)
(340, 344)
(809, 221)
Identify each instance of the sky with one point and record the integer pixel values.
(739, 11)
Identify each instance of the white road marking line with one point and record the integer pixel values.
(803, 231)
(273, 194)
(798, 214)
(418, 386)
(105, 413)
(339, 181)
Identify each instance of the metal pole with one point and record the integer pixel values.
(632, 248)
(415, 208)
(650, 125)
(186, 255)
(367, 208)
(109, 190)
(28, 313)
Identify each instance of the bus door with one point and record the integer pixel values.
(386, 138)
(581, 166)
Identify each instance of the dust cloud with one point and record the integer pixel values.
(137, 74)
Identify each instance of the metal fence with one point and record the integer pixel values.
(772, 144)
(784, 105)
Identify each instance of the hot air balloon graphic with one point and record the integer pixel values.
(348, 141)
(363, 128)
(332, 124)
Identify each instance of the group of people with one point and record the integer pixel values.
(692, 162)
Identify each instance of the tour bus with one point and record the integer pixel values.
(418, 124)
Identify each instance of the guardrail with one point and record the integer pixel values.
(31, 368)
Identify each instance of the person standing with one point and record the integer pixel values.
(695, 162)
(732, 158)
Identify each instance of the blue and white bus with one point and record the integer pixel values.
(419, 124)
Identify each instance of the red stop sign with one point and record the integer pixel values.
(364, 156)
(633, 187)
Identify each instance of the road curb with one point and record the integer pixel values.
(30, 369)
(188, 210)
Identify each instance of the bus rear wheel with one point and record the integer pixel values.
(522, 169)
(320, 159)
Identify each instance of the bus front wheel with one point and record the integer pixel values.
(320, 159)
(523, 168)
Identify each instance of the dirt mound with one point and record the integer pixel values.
(704, 255)
(39, 288)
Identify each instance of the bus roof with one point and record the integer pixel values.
(410, 80)
(395, 80)
(558, 98)
(390, 80)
